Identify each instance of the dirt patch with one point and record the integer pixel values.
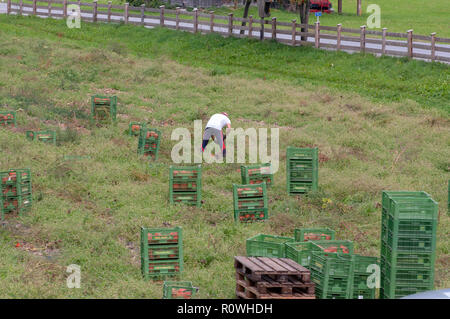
(353, 107)
(133, 249)
(282, 224)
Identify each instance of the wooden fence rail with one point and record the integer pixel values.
(290, 33)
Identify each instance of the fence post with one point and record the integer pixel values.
(230, 24)
(274, 28)
(363, 39)
(161, 15)
(317, 35)
(177, 18)
(383, 43)
(261, 32)
(109, 11)
(410, 43)
(195, 20)
(339, 6)
(338, 40)
(65, 9)
(433, 46)
(125, 12)
(250, 26)
(358, 7)
(34, 7)
(94, 9)
(211, 21)
(49, 6)
(143, 14)
(294, 29)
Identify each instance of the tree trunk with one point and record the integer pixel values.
(304, 17)
(247, 6)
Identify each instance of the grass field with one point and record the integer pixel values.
(379, 124)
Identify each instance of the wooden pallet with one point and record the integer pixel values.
(267, 285)
(278, 269)
(245, 292)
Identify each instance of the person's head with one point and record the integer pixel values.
(225, 113)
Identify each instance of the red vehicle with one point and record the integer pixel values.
(321, 6)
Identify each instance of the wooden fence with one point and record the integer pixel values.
(291, 33)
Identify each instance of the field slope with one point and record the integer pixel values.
(379, 124)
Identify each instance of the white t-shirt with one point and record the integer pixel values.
(218, 121)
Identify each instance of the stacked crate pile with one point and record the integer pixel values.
(161, 252)
(16, 192)
(408, 243)
(103, 108)
(149, 140)
(185, 185)
(250, 202)
(257, 174)
(7, 118)
(302, 170)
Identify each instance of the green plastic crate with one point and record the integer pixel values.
(256, 174)
(149, 142)
(17, 205)
(267, 246)
(15, 176)
(8, 118)
(250, 202)
(302, 166)
(185, 185)
(300, 252)
(251, 215)
(134, 128)
(161, 252)
(305, 234)
(178, 290)
(42, 136)
(103, 108)
(361, 289)
(360, 264)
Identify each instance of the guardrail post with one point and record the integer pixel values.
(143, 14)
(125, 12)
(230, 24)
(65, 9)
(410, 43)
(250, 26)
(8, 7)
(109, 11)
(383, 42)
(161, 15)
(433, 46)
(49, 6)
(362, 39)
(211, 21)
(338, 40)
(274, 28)
(294, 30)
(317, 34)
(177, 18)
(195, 20)
(34, 7)
(94, 11)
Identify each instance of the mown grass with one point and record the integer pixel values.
(89, 212)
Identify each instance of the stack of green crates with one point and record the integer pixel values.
(256, 174)
(161, 252)
(185, 185)
(149, 140)
(267, 246)
(16, 191)
(250, 202)
(302, 169)
(43, 136)
(178, 290)
(103, 108)
(361, 274)
(8, 118)
(332, 274)
(408, 243)
(134, 128)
